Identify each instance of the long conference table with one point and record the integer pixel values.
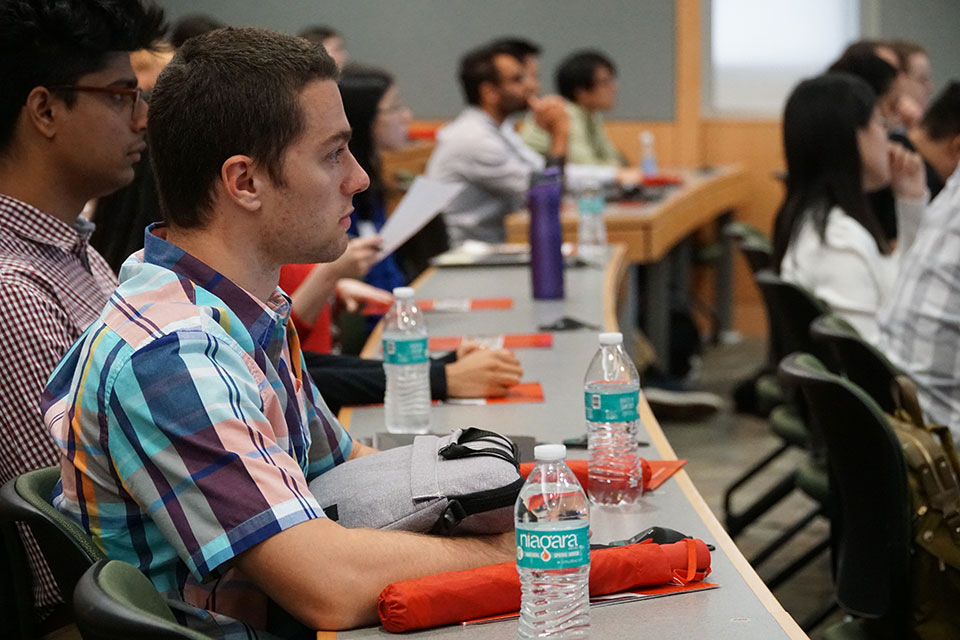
(742, 606)
(653, 232)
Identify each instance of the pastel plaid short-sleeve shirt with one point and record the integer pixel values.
(189, 429)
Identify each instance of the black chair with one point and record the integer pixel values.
(872, 526)
(791, 310)
(761, 392)
(68, 549)
(16, 593)
(858, 360)
(753, 244)
(115, 601)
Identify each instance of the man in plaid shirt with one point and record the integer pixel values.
(71, 128)
(188, 422)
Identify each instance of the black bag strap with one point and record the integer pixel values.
(453, 514)
(458, 450)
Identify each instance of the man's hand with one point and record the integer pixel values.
(909, 111)
(629, 176)
(907, 175)
(550, 115)
(352, 293)
(480, 372)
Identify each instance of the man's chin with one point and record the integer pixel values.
(326, 253)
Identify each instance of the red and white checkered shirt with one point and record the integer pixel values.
(53, 284)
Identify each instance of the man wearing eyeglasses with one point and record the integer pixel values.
(72, 124)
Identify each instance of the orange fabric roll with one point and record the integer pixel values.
(447, 598)
(579, 468)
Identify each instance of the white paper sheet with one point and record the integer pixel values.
(425, 199)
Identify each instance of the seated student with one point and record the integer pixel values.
(122, 216)
(826, 238)
(587, 80)
(473, 151)
(528, 53)
(937, 138)
(190, 437)
(920, 320)
(903, 110)
(330, 39)
(380, 122)
(914, 62)
(883, 79)
(71, 129)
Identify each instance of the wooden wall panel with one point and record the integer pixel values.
(757, 146)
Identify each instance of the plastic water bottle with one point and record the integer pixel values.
(553, 550)
(591, 229)
(407, 366)
(648, 154)
(611, 392)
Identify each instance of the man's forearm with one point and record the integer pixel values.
(329, 577)
(391, 556)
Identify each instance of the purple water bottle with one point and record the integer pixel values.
(546, 259)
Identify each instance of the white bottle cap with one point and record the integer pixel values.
(614, 337)
(403, 292)
(550, 452)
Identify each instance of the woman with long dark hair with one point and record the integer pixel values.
(379, 120)
(826, 237)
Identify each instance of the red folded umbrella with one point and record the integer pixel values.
(579, 468)
(447, 598)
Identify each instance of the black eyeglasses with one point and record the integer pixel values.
(133, 96)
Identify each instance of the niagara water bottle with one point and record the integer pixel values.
(591, 228)
(407, 366)
(611, 390)
(553, 550)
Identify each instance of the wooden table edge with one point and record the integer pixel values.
(720, 536)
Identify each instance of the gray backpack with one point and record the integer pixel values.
(463, 483)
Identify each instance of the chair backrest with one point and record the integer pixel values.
(753, 244)
(115, 601)
(861, 362)
(872, 528)
(791, 309)
(27, 499)
(16, 594)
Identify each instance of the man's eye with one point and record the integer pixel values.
(335, 156)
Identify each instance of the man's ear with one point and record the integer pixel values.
(241, 182)
(488, 93)
(954, 146)
(42, 110)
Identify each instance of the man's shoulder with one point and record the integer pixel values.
(24, 281)
(155, 304)
(468, 130)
